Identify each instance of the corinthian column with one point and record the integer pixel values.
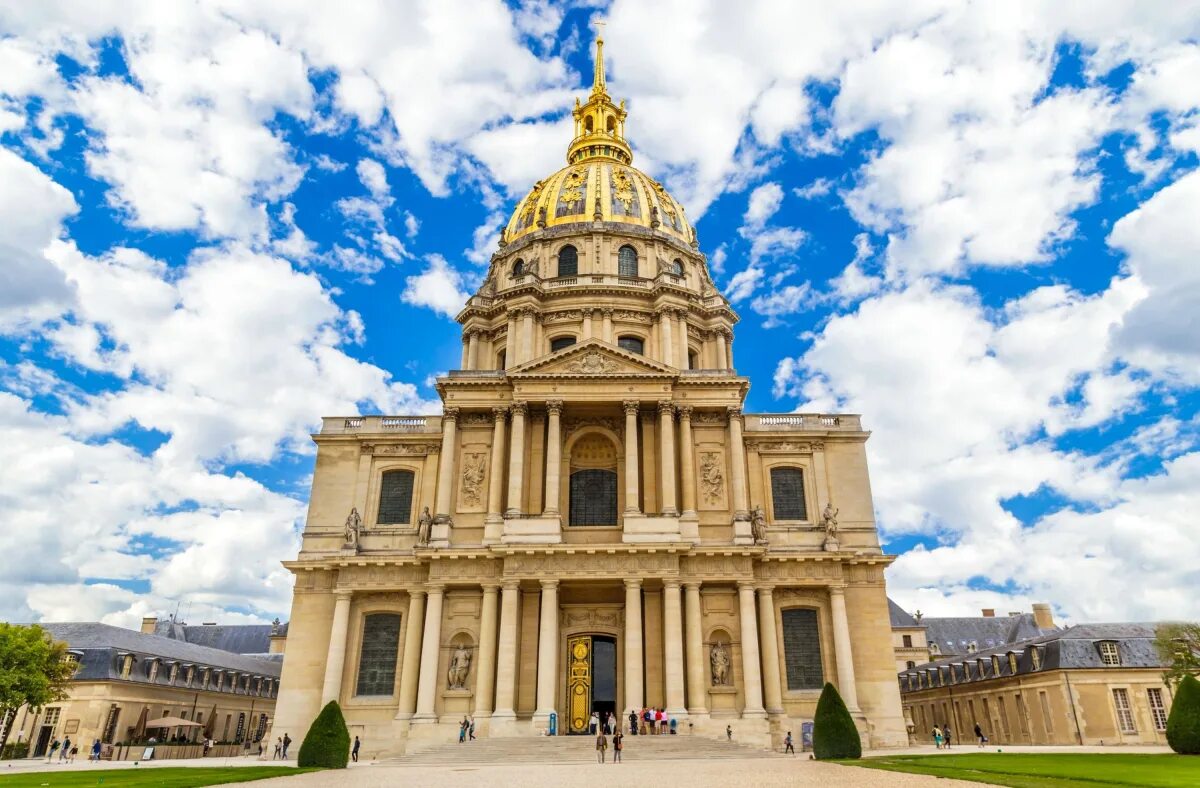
(506, 654)
(772, 686)
(335, 657)
(510, 341)
(697, 686)
(673, 647)
(553, 456)
(473, 349)
(634, 697)
(681, 336)
(664, 337)
(666, 419)
(751, 676)
(485, 670)
(516, 460)
(412, 654)
(430, 650)
(631, 456)
(841, 648)
(737, 471)
(687, 461)
(547, 675)
(526, 334)
(606, 325)
(495, 505)
(445, 488)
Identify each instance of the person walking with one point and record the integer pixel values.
(74, 752)
(462, 731)
(601, 746)
(278, 749)
(594, 723)
(633, 722)
(287, 741)
(979, 737)
(354, 750)
(946, 734)
(937, 736)
(787, 744)
(618, 745)
(95, 756)
(728, 733)
(471, 730)
(65, 753)
(54, 744)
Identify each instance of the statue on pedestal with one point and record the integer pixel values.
(719, 657)
(424, 525)
(460, 666)
(758, 525)
(829, 520)
(353, 526)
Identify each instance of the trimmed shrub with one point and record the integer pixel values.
(834, 732)
(327, 743)
(1183, 726)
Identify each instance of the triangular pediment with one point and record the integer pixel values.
(592, 357)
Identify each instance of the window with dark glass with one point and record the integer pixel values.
(377, 659)
(787, 494)
(802, 649)
(558, 343)
(594, 497)
(677, 267)
(395, 497)
(518, 268)
(627, 262)
(568, 261)
(632, 344)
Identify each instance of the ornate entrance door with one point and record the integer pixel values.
(579, 683)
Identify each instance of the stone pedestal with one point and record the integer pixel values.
(743, 534)
(546, 529)
(650, 528)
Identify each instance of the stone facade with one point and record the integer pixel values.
(592, 514)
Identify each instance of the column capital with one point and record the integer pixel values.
(520, 408)
(606, 311)
(343, 594)
(744, 585)
(499, 413)
(666, 408)
(633, 582)
(684, 411)
(631, 406)
(450, 413)
(734, 412)
(663, 312)
(765, 590)
(490, 586)
(416, 592)
(549, 584)
(510, 585)
(692, 583)
(837, 590)
(670, 582)
(436, 589)
(554, 406)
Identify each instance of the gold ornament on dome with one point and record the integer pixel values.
(623, 189)
(572, 190)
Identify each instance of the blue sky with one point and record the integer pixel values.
(973, 224)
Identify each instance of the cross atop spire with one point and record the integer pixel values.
(599, 123)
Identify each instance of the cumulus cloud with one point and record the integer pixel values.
(439, 287)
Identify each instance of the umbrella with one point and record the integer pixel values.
(139, 730)
(173, 722)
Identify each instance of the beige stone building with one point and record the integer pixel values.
(123, 675)
(1087, 684)
(592, 524)
(917, 639)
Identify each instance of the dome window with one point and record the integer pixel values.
(518, 268)
(677, 267)
(632, 344)
(568, 261)
(610, 124)
(559, 343)
(587, 124)
(627, 262)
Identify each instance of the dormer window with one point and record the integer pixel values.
(174, 676)
(972, 647)
(152, 670)
(1012, 663)
(934, 649)
(1035, 658)
(1109, 653)
(995, 665)
(126, 666)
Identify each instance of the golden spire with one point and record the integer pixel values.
(599, 124)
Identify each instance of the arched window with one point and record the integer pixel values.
(632, 344)
(787, 494)
(910, 664)
(693, 361)
(502, 360)
(593, 483)
(802, 648)
(377, 657)
(610, 124)
(558, 343)
(677, 267)
(395, 498)
(627, 264)
(588, 124)
(568, 261)
(518, 268)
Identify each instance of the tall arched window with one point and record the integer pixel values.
(632, 344)
(677, 267)
(787, 494)
(377, 657)
(627, 262)
(568, 261)
(395, 498)
(518, 268)
(593, 482)
(802, 648)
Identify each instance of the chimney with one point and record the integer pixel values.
(148, 624)
(989, 612)
(1043, 616)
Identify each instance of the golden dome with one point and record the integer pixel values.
(598, 184)
(603, 190)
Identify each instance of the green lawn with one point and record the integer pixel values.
(1050, 770)
(160, 777)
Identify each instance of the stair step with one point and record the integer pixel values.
(575, 749)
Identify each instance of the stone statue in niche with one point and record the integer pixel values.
(718, 655)
(460, 666)
(353, 526)
(829, 520)
(541, 220)
(472, 478)
(758, 524)
(654, 220)
(424, 524)
(711, 478)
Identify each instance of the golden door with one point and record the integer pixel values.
(579, 683)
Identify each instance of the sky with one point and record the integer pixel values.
(975, 224)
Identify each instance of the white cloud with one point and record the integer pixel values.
(783, 301)
(439, 287)
(374, 177)
(764, 202)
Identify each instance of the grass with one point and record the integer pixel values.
(158, 777)
(1050, 770)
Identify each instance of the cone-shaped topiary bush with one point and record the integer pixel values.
(327, 743)
(1183, 726)
(834, 733)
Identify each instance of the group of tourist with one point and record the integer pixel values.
(65, 750)
(653, 722)
(618, 743)
(942, 736)
(281, 747)
(466, 730)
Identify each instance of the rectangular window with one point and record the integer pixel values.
(986, 722)
(395, 498)
(1109, 653)
(377, 658)
(1157, 710)
(1047, 717)
(1022, 715)
(787, 494)
(907, 641)
(110, 724)
(802, 649)
(1002, 707)
(1124, 712)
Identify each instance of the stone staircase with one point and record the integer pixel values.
(575, 749)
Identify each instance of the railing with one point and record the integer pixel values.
(586, 280)
(372, 424)
(782, 422)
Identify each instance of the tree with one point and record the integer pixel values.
(327, 743)
(1178, 645)
(1183, 726)
(834, 732)
(34, 669)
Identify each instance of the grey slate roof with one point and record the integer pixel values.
(1074, 648)
(238, 638)
(953, 635)
(101, 644)
(900, 617)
